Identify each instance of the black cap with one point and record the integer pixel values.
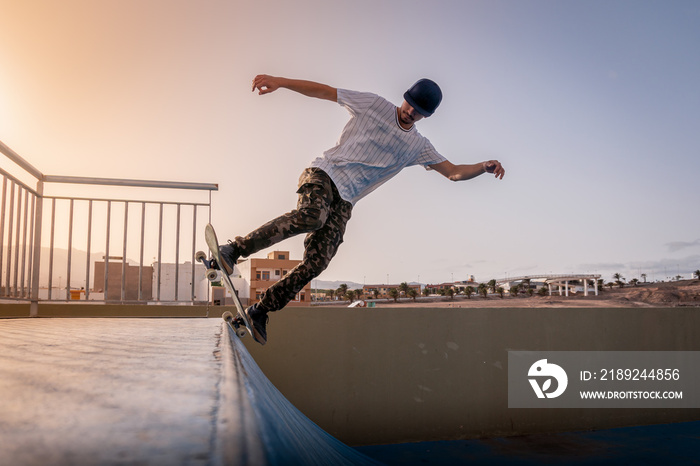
(425, 96)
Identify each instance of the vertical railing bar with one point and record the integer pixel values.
(177, 253)
(109, 221)
(51, 241)
(194, 248)
(143, 229)
(23, 269)
(126, 223)
(18, 229)
(2, 230)
(9, 238)
(30, 262)
(160, 249)
(38, 214)
(70, 248)
(89, 246)
(209, 287)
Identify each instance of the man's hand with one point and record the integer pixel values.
(495, 167)
(265, 84)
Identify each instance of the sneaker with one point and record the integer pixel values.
(229, 255)
(258, 320)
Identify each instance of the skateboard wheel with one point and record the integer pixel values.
(200, 256)
(212, 275)
(227, 316)
(240, 332)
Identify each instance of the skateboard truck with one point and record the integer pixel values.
(212, 272)
(236, 322)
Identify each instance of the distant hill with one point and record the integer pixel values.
(334, 285)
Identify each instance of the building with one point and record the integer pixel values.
(131, 281)
(175, 282)
(153, 287)
(458, 287)
(382, 291)
(257, 275)
(435, 288)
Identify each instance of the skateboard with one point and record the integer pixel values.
(239, 322)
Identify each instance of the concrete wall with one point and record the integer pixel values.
(372, 376)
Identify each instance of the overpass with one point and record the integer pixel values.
(561, 281)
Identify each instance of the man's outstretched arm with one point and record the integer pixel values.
(468, 171)
(266, 84)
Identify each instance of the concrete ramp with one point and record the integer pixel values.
(149, 392)
(258, 425)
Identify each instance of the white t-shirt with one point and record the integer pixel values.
(373, 147)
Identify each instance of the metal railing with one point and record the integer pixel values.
(43, 239)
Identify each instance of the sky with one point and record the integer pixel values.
(593, 107)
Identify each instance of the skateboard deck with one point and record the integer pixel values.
(239, 322)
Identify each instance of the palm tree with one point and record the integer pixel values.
(514, 290)
(644, 277)
(469, 291)
(500, 291)
(394, 293)
(450, 292)
(483, 290)
(696, 274)
(403, 288)
(492, 285)
(342, 291)
(412, 293)
(634, 282)
(618, 279)
(426, 292)
(350, 295)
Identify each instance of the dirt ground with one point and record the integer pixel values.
(666, 294)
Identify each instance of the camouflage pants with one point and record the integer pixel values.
(322, 214)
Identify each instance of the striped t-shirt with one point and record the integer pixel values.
(373, 147)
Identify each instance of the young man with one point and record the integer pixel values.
(377, 143)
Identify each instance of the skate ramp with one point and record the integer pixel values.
(145, 391)
(258, 425)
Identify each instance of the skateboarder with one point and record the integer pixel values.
(377, 143)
